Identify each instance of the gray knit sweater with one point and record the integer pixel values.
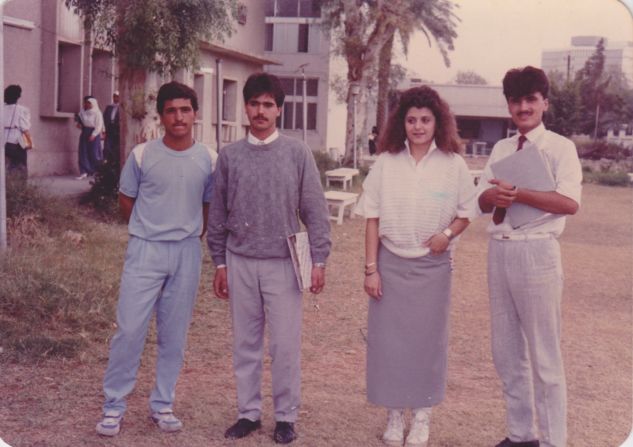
(257, 194)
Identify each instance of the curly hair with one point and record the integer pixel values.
(446, 137)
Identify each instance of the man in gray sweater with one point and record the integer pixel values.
(263, 185)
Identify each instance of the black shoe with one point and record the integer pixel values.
(507, 443)
(284, 433)
(242, 428)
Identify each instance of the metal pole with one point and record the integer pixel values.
(305, 107)
(354, 129)
(3, 180)
(218, 81)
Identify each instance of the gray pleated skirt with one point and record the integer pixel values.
(407, 331)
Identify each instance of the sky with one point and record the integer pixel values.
(496, 35)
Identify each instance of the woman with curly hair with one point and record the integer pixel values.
(416, 199)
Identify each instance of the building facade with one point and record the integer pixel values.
(294, 37)
(47, 52)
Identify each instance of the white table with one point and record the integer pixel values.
(343, 175)
(338, 201)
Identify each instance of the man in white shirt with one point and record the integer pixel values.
(524, 269)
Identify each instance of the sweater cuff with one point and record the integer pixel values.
(219, 259)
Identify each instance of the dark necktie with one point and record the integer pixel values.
(500, 213)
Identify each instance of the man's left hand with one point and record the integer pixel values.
(318, 280)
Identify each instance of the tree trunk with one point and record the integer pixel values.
(382, 98)
(132, 108)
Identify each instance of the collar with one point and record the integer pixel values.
(533, 134)
(257, 142)
(407, 149)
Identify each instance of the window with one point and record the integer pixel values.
(69, 77)
(293, 8)
(292, 112)
(302, 44)
(268, 44)
(229, 100)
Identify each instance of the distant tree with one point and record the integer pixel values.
(593, 83)
(564, 106)
(470, 77)
(151, 35)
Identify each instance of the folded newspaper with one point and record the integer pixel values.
(299, 246)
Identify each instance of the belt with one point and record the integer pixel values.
(520, 237)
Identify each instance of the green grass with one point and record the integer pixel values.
(59, 275)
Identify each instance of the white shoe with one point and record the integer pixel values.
(82, 176)
(419, 434)
(394, 434)
(166, 420)
(111, 423)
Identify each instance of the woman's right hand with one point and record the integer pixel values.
(373, 286)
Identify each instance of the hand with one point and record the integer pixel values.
(504, 193)
(92, 138)
(438, 243)
(220, 284)
(318, 280)
(373, 285)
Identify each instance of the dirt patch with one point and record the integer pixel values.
(57, 403)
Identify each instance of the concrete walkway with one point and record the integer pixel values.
(62, 185)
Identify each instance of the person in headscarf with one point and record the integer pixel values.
(90, 121)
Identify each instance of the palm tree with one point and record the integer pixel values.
(435, 19)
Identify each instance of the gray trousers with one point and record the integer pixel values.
(161, 277)
(265, 291)
(525, 280)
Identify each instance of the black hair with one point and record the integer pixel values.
(262, 83)
(524, 81)
(175, 90)
(12, 93)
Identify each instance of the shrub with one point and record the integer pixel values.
(607, 178)
(324, 163)
(596, 150)
(103, 195)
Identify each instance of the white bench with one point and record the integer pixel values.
(337, 201)
(343, 175)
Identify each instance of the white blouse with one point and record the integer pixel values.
(415, 201)
(17, 119)
(92, 118)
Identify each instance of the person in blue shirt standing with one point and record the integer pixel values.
(164, 192)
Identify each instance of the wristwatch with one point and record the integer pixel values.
(448, 233)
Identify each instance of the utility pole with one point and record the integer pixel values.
(3, 179)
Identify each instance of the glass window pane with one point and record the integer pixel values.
(288, 85)
(299, 116)
(268, 45)
(313, 87)
(309, 8)
(302, 44)
(288, 109)
(287, 8)
(312, 116)
(269, 8)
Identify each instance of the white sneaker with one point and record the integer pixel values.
(111, 423)
(419, 434)
(166, 420)
(82, 176)
(394, 434)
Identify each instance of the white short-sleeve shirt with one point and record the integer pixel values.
(414, 201)
(17, 119)
(562, 158)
